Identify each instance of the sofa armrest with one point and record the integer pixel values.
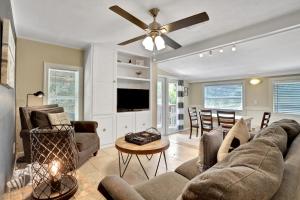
(115, 188)
(85, 126)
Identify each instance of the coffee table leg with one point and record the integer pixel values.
(149, 158)
(158, 163)
(127, 161)
(165, 160)
(142, 166)
(124, 162)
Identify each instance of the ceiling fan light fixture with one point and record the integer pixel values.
(159, 43)
(148, 43)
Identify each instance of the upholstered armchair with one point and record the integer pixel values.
(87, 140)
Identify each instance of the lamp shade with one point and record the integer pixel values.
(159, 42)
(148, 43)
(39, 94)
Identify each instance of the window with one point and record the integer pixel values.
(62, 87)
(286, 97)
(225, 97)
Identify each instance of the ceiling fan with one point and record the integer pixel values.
(155, 36)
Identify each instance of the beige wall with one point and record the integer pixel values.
(30, 59)
(258, 98)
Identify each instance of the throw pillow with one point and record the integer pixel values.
(57, 119)
(236, 136)
(252, 171)
(208, 148)
(40, 118)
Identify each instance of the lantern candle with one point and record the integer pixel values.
(55, 174)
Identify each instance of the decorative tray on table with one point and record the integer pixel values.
(144, 137)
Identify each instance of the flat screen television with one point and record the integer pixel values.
(132, 99)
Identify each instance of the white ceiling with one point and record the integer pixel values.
(77, 23)
(274, 55)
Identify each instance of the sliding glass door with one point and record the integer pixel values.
(172, 106)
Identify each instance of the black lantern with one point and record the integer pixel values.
(54, 160)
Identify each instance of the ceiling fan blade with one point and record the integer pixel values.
(133, 40)
(189, 21)
(128, 16)
(170, 42)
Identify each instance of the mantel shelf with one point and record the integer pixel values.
(133, 78)
(130, 65)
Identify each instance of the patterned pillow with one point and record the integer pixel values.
(208, 148)
(237, 135)
(57, 119)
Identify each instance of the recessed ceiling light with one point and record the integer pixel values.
(233, 48)
(255, 81)
(221, 50)
(201, 55)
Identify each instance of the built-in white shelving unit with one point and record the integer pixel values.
(106, 70)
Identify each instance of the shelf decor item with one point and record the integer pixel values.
(54, 160)
(8, 46)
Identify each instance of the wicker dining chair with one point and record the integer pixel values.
(193, 120)
(226, 119)
(265, 120)
(206, 120)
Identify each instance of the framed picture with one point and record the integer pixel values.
(186, 91)
(7, 55)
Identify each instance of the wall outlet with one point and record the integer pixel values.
(14, 148)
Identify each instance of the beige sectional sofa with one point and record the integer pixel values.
(267, 167)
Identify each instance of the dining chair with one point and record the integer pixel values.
(226, 119)
(265, 120)
(206, 120)
(193, 120)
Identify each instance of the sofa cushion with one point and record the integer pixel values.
(208, 148)
(276, 135)
(291, 127)
(236, 136)
(290, 184)
(85, 140)
(40, 118)
(189, 169)
(252, 171)
(167, 186)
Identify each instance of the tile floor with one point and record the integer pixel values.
(106, 163)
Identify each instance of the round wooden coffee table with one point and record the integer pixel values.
(158, 146)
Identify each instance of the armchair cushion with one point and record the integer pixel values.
(86, 140)
(114, 187)
(85, 126)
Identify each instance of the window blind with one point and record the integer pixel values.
(227, 97)
(286, 97)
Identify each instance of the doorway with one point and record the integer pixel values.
(166, 105)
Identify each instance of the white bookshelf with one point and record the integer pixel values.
(133, 71)
(130, 65)
(133, 78)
